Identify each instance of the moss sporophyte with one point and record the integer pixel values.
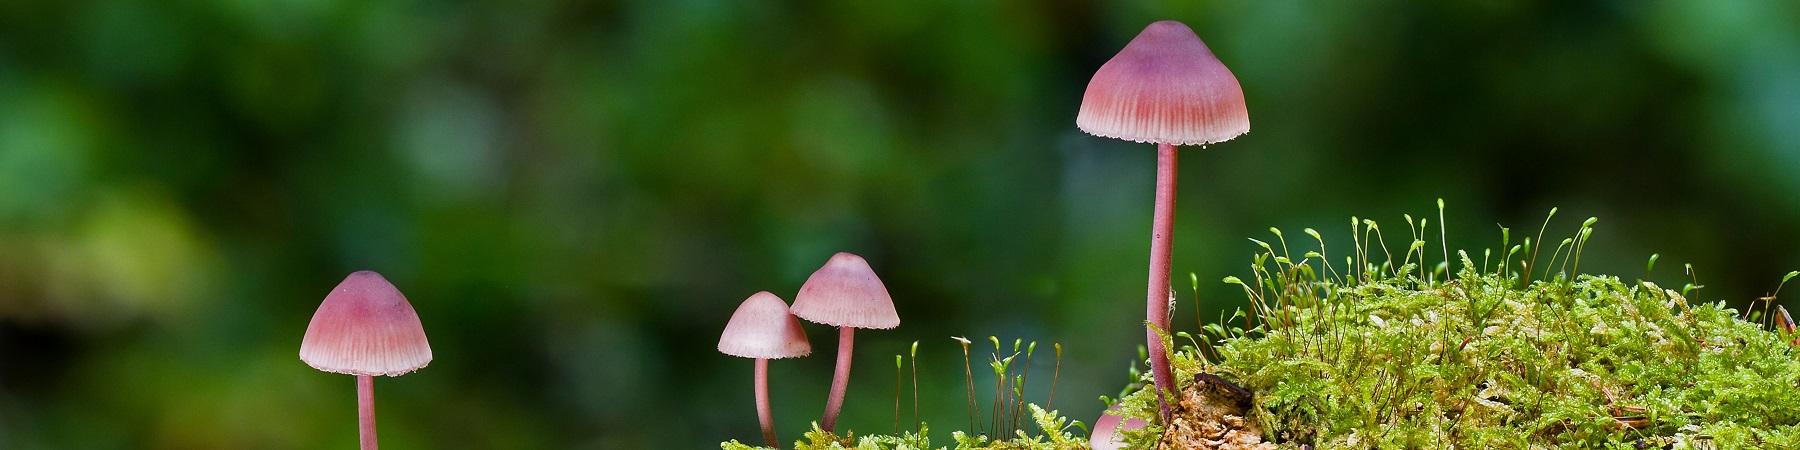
(1402, 349)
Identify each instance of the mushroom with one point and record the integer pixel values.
(762, 330)
(1164, 88)
(365, 328)
(1106, 434)
(846, 294)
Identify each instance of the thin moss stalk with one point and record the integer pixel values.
(914, 358)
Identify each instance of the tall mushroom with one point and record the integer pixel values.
(1164, 88)
(365, 328)
(845, 293)
(762, 330)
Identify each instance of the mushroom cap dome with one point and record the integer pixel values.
(365, 327)
(846, 293)
(762, 328)
(1164, 87)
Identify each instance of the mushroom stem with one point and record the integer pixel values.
(764, 413)
(1162, 226)
(840, 379)
(365, 410)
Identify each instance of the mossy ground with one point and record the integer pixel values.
(1387, 350)
(1053, 433)
(1393, 355)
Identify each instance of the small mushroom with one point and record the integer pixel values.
(845, 293)
(1785, 323)
(762, 330)
(365, 327)
(1106, 435)
(1166, 88)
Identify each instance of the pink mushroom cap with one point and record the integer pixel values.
(1106, 430)
(762, 328)
(1164, 87)
(846, 293)
(365, 327)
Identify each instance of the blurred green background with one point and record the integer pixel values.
(575, 196)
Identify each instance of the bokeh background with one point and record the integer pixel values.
(576, 195)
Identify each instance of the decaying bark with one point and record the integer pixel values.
(1211, 414)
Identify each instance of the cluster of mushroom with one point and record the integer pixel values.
(845, 293)
(1165, 87)
(366, 328)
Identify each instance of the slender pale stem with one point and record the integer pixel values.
(915, 389)
(1054, 375)
(1019, 403)
(994, 409)
(840, 379)
(969, 374)
(365, 410)
(897, 392)
(765, 414)
(1162, 227)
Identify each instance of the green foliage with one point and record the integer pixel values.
(1055, 433)
(1388, 355)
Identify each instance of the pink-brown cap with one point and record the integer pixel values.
(365, 327)
(762, 329)
(1106, 430)
(1165, 87)
(846, 293)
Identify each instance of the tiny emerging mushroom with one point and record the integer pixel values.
(845, 293)
(1106, 434)
(1165, 88)
(365, 327)
(1785, 323)
(762, 329)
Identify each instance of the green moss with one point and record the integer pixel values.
(1055, 433)
(1394, 350)
(1392, 355)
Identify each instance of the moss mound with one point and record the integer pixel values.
(1396, 355)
